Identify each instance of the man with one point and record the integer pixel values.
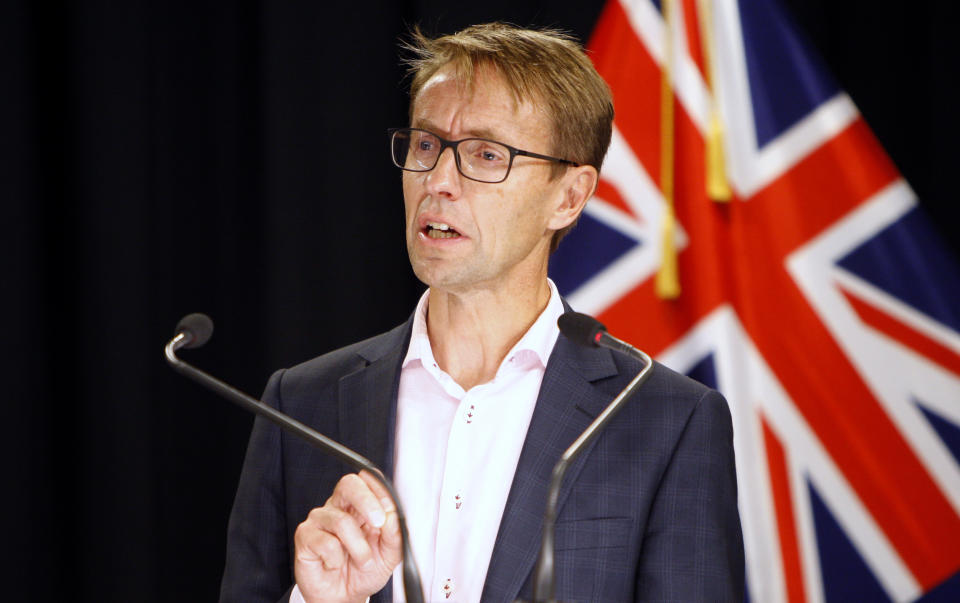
(472, 401)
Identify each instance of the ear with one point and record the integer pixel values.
(579, 184)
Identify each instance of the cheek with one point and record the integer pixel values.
(406, 185)
(515, 221)
(494, 215)
(529, 211)
(409, 197)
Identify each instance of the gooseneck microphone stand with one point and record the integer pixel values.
(586, 331)
(194, 331)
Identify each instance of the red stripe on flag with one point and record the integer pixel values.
(905, 334)
(704, 266)
(728, 240)
(634, 78)
(693, 24)
(783, 503)
(819, 190)
(611, 194)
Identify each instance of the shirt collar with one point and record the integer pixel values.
(539, 338)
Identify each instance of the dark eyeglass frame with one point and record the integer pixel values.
(453, 144)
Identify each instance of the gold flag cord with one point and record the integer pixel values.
(667, 283)
(718, 188)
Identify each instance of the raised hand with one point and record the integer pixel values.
(347, 549)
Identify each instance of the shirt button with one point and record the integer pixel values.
(447, 588)
(458, 500)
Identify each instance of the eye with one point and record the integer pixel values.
(425, 144)
(489, 153)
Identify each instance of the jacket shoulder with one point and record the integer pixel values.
(323, 371)
(664, 382)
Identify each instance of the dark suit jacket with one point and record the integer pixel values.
(649, 512)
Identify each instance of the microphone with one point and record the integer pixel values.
(193, 331)
(196, 328)
(586, 331)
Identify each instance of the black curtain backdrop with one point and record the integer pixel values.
(159, 158)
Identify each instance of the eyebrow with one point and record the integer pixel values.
(481, 133)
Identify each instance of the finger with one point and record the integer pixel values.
(378, 490)
(390, 537)
(353, 493)
(315, 545)
(344, 528)
(391, 540)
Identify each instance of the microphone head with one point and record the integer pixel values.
(581, 329)
(198, 328)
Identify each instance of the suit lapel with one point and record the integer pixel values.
(568, 402)
(368, 398)
(368, 407)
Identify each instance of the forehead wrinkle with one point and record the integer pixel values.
(482, 83)
(426, 124)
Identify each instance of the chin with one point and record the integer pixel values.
(438, 278)
(428, 275)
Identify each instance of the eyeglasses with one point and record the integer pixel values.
(478, 159)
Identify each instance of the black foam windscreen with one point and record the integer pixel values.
(580, 328)
(199, 326)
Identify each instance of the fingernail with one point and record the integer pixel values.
(377, 518)
(387, 504)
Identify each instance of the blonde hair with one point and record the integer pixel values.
(539, 66)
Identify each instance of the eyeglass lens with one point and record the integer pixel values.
(479, 159)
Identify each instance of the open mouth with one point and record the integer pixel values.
(439, 230)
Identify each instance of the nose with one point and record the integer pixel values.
(444, 179)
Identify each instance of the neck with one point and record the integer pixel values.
(471, 332)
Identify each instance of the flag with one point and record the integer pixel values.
(807, 286)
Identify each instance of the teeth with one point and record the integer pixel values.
(439, 230)
(441, 234)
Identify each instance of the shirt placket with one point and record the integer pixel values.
(454, 509)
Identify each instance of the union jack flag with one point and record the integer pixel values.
(817, 299)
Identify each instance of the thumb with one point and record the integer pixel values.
(391, 539)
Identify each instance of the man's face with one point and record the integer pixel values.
(501, 232)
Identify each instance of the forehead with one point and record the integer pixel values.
(483, 105)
